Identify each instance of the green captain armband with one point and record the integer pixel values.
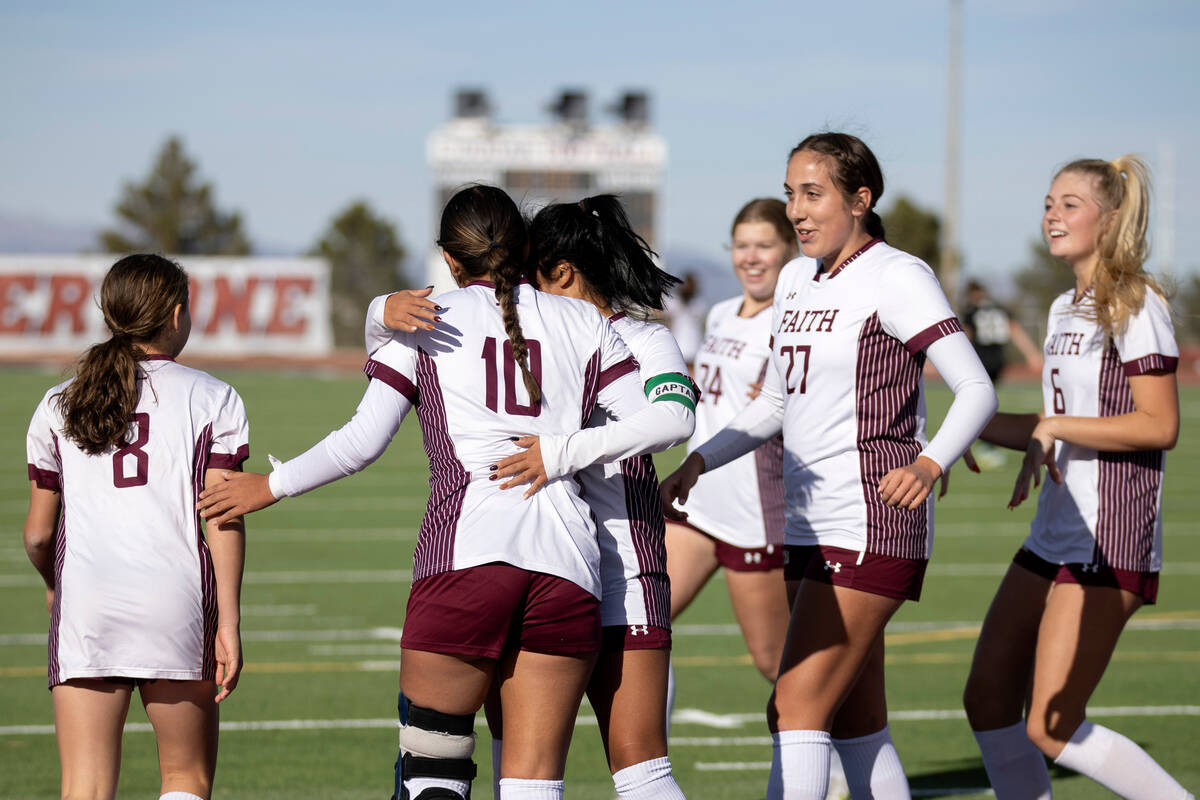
(674, 388)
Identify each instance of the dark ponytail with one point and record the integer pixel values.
(138, 299)
(853, 166)
(595, 237)
(484, 230)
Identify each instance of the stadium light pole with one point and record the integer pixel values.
(949, 232)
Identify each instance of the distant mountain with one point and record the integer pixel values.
(25, 234)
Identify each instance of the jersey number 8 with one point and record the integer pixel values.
(141, 474)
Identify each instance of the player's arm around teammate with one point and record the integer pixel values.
(129, 607)
(489, 567)
(1110, 410)
(857, 322)
(589, 251)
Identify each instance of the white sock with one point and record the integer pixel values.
(799, 765)
(525, 789)
(497, 749)
(179, 796)
(1015, 767)
(1118, 764)
(649, 780)
(419, 784)
(872, 766)
(670, 693)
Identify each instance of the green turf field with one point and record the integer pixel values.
(326, 583)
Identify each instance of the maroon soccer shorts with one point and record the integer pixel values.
(1143, 584)
(743, 559)
(888, 576)
(479, 611)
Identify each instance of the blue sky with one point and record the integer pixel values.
(293, 110)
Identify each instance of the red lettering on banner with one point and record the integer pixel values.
(230, 303)
(68, 293)
(10, 320)
(284, 318)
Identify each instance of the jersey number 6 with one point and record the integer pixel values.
(511, 372)
(141, 475)
(1060, 400)
(790, 351)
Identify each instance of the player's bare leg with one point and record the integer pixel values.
(440, 695)
(540, 694)
(999, 684)
(1002, 667)
(1079, 632)
(89, 716)
(862, 740)
(1078, 635)
(184, 716)
(449, 684)
(626, 691)
(760, 603)
(691, 561)
(833, 634)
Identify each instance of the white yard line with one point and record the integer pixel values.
(393, 634)
(686, 716)
(405, 575)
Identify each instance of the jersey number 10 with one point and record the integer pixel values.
(511, 376)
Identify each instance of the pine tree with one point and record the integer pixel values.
(364, 253)
(172, 212)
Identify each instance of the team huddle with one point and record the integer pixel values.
(550, 560)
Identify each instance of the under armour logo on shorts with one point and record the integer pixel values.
(831, 567)
(753, 558)
(639, 630)
(1091, 567)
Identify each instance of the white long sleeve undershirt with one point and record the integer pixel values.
(652, 429)
(648, 430)
(953, 357)
(347, 450)
(974, 398)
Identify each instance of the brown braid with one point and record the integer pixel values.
(506, 276)
(483, 229)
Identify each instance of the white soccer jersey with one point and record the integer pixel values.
(625, 500)
(135, 594)
(470, 399)
(743, 503)
(1108, 510)
(847, 346)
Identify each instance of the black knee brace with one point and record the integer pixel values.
(434, 745)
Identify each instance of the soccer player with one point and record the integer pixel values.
(735, 519)
(850, 334)
(588, 250)
(505, 586)
(139, 594)
(1110, 410)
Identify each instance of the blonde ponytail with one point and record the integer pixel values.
(1122, 189)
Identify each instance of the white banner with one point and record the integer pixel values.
(241, 306)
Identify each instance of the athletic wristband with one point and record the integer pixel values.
(674, 388)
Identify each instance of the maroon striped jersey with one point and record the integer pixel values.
(1108, 510)
(847, 351)
(135, 592)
